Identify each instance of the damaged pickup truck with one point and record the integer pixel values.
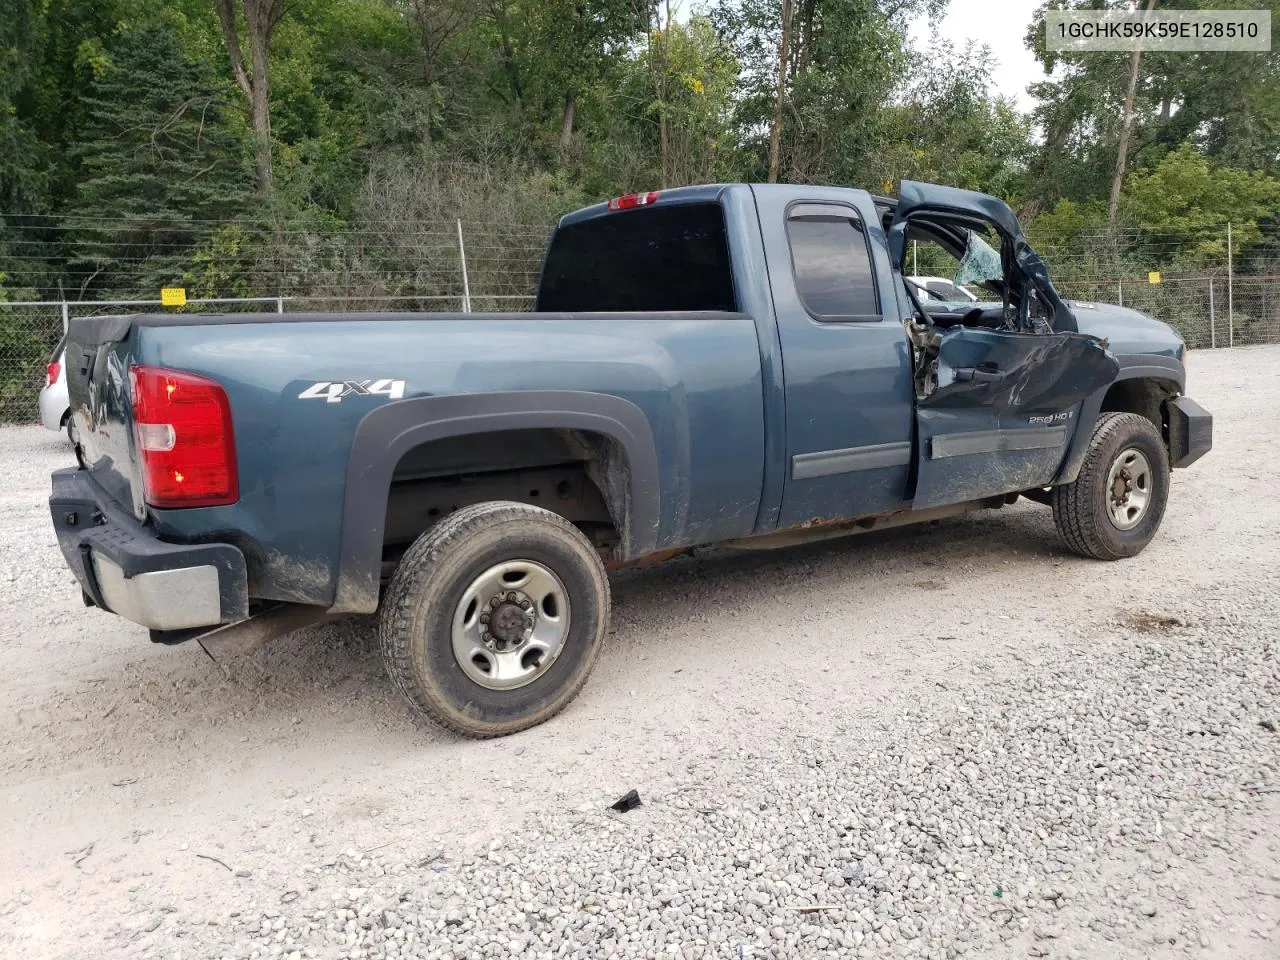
(740, 365)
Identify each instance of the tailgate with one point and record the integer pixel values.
(97, 360)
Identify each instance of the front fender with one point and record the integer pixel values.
(387, 433)
(1132, 367)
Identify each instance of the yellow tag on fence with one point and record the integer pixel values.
(1153, 276)
(173, 297)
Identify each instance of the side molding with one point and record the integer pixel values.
(826, 463)
(387, 433)
(996, 441)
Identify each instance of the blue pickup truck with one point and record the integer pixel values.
(741, 365)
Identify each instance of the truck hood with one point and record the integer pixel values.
(1128, 331)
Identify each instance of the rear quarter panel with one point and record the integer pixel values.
(696, 378)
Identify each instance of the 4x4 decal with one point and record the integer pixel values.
(332, 391)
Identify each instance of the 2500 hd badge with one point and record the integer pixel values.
(1051, 418)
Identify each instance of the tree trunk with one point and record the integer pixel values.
(1122, 152)
(422, 12)
(261, 17)
(775, 131)
(664, 148)
(260, 110)
(566, 123)
(804, 37)
(659, 66)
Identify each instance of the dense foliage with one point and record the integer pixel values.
(257, 147)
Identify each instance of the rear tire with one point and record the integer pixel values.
(1114, 507)
(512, 564)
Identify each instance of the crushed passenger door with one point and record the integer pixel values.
(999, 392)
(1004, 411)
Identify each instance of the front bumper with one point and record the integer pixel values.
(125, 568)
(1190, 432)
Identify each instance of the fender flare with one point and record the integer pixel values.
(389, 432)
(1132, 367)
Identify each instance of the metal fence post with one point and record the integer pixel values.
(1120, 292)
(279, 304)
(66, 317)
(1231, 294)
(1213, 331)
(466, 284)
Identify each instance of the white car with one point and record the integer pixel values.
(938, 288)
(55, 407)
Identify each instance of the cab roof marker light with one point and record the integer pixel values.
(633, 200)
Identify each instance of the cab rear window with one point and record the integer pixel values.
(673, 257)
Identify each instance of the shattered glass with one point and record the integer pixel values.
(980, 263)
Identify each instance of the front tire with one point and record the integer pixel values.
(495, 618)
(1114, 507)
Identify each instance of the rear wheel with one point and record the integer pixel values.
(494, 618)
(1114, 507)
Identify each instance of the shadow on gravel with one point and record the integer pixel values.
(955, 547)
(331, 677)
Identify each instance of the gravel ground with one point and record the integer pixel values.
(934, 742)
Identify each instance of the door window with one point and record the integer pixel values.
(832, 264)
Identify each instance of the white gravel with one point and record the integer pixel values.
(946, 741)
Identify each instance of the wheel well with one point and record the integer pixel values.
(582, 476)
(1145, 396)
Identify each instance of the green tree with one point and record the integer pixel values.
(676, 94)
(1172, 217)
(157, 163)
(1184, 203)
(845, 60)
(1228, 105)
(261, 17)
(572, 51)
(946, 127)
(21, 161)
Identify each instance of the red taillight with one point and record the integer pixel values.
(182, 432)
(53, 370)
(633, 200)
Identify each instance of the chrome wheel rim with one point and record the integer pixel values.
(510, 624)
(1128, 489)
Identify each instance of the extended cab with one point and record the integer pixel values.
(742, 365)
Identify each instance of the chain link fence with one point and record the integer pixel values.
(30, 332)
(248, 266)
(1208, 311)
(483, 267)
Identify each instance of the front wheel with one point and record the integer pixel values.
(494, 618)
(1114, 507)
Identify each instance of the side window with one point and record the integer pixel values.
(954, 264)
(832, 263)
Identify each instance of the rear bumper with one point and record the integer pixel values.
(125, 568)
(1190, 432)
(53, 406)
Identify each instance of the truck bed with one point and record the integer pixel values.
(686, 371)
